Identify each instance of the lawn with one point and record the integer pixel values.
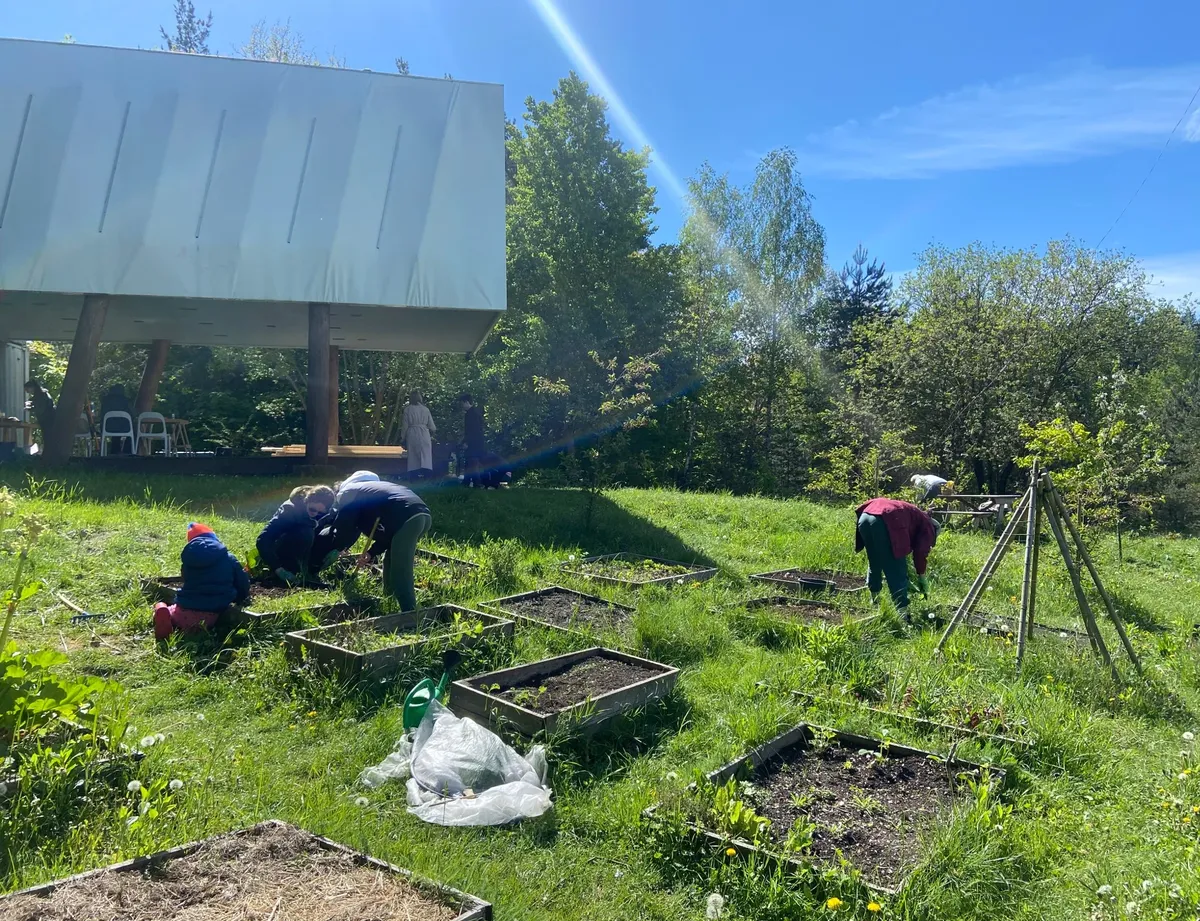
(1096, 820)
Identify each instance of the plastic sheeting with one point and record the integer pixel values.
(459, 773)
(166, 180)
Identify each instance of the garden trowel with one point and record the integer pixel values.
(425, 691)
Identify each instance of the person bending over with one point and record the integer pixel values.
(285, 545)
(213, 579)
(393, 518)
(889, 530)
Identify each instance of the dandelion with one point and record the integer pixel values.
(1189, 737)
(571, 558)
(175, 785)
(874, 907)
(1131, 908)
(833, 903)
(983, 630)
(617, 874)
(134, 786)
(159, 737)
(931, 615)
(312, 713)
(672, 776)
(1062, 635)
(200, 717)
(361, 802)
(1104, 891)
(1187, 819)
(1182, 776)
(1147, 885)
(716, 904)
(147, 741)
(730, 852)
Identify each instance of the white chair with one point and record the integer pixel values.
(121, 427)
(152, 427)
(83, 433)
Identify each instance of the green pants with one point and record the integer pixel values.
(881, 560)
(398, 562)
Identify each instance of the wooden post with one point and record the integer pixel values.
(335, 356)
(317, 416)
(1028, 584)
(82, 362)
(156, 363)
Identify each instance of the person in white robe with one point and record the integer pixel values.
(416, 434)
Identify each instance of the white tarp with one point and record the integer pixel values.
(217, 195)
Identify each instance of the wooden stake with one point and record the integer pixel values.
(1057, 500)
(1027, 581)
(989, 569)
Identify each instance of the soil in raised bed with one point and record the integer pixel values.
(278, 873)
(568, 610)
(362, 639)
(260, 589)
(640, 570)
(828, 613)
(582, 681)
(841, 581)
(871, 810)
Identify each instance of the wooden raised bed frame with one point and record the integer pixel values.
(468, 700)
(499, 604)
(764, 604)
(775, 578)
(695, 573)
(431, 556)
(471, 908)
(803, 734)
(380, 663)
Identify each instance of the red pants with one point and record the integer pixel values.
(173, 617)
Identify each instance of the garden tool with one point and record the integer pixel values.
(80, 614)
(425, 692)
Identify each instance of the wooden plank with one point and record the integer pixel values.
(80, 365)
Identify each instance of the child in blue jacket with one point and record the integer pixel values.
(213, 579)
(285, 545)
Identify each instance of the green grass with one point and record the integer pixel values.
(250, 740)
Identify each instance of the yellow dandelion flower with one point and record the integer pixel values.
(1195, 809)
(730, 852)
(1187, 819)
(874, 906)
(312, 712)
(833, 903)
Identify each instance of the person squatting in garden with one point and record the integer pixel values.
(286, 544)
(889, 530)
(393, 518)
(213, 579)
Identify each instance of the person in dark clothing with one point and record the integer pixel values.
(889, 530)
(474, 442)
(393, 518)
(285, 545)
(115, 401)
(213, 579)
(43, 405)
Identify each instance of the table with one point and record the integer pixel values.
(20, 432)
(179, 436)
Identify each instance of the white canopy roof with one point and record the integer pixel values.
(214, 198)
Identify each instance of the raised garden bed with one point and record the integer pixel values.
(633, 570)
(269, 871)
(164, 589)
(995, 625)
(444, 559)
(376, 647)
(820, 580)
(586, 688)
(839, 795)
(336, 613)
(802, 610)
(563, 609)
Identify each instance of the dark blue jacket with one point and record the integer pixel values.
(374, 503)
(213, 579)
(290, 517)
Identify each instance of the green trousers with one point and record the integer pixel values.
(881, 560)
(399, 561)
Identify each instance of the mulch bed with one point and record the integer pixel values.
(842, 581)
(872, 811)
(588, 679)
(279, 873)
(570, 610)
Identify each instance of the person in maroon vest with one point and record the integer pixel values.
(889, 530)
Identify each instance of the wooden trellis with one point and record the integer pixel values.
(1042, 500)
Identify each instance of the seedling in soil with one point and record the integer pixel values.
(812, 581)
(564, 609)
(631, 570)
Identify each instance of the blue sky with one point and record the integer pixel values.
(919, 123)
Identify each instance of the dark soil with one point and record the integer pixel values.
(872, 811)
(570, 610)
(634, 569)
(843, 582)
(582, 681)
(280, 873)
(828, 613)
(260, 589)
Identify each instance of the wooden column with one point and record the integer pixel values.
(317, 436)
(79, 372)
(335, 359)
(156, 363)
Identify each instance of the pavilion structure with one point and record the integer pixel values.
(159, 198)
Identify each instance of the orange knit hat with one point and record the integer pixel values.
(196, 528)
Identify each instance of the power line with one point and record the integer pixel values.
(1186, 109)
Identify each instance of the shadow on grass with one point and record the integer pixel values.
(1133, 611)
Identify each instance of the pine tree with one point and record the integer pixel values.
(191, 31)
(861, 291)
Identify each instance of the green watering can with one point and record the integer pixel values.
(425, 692)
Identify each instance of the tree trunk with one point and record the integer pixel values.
(156, 363)
(82, 362)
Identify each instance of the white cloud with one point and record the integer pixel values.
(1056, 117)
(1174, 276)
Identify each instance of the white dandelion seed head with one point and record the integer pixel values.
(1131, 908)
(931, 615)
(134, 786)
(571, 558)
(1176, 892)
(716, 904)
(1062, 635)
(617, 874)
(147, 741)
(175, 784)
(1189, 737)
(200, 717)
(672, 775)
(1181, 776)
(361, 801)
(159, 737)
(1104, 891)
(1147, 885)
